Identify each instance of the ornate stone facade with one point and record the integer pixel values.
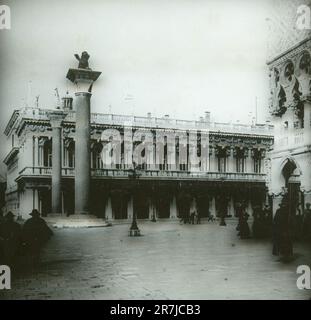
(235, 169)
(290, 109)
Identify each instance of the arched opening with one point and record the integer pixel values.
(288, 170)
(119, 202)
(47, 153)
(97, 149)
(71, 154)
(291, 173)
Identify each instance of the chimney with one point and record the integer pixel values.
(67, 102)
(207, 116)
(149, 114)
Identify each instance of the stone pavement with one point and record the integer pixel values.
(170, 261)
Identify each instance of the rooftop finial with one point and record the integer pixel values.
(37, 101)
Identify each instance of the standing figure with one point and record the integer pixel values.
(268, 219)
(307, 222)
(259, 230)
(198, 217)
(239, 214)
(244, 227)
(10, 238)
(1, 249)
(282, 236)
(35, 234)
(192, 217)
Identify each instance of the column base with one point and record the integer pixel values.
(134, 233)
(76, 221)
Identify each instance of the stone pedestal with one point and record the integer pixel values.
(83, 79)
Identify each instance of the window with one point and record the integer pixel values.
(96, 154)
(71, 155)
(47, 154)
(257, 165)
(240, 164)
(222, 163)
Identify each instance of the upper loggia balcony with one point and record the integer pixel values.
(46, 172)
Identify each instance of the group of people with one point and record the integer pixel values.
(22, 240)
(262, 224)
(286, 226)
(192, 218)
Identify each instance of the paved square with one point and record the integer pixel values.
(170, 261)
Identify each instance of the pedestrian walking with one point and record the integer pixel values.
(10, 239)
(258, 227)
(244, 232)
(192, 217)
(282, 235)
(35, 234)
(198, 217)
(307, 222)
(239, 214)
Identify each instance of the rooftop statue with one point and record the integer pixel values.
(83, 61)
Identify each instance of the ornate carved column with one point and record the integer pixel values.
(56, 118)
(83, 77)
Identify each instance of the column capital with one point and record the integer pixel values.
(83, 79)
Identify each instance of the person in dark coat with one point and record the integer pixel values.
(307, 222)
(282, 235)
(259, 224)
(268, 220)
(198, 217)
(35, 234)
(239, 214)
(10, 238)
(1, 249)
(244, 232)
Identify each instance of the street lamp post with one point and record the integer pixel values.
(134, 230)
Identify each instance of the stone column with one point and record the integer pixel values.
(36, 151)
(231, 207)
(231, 161)
(151, 209)
(56, 118)
(83, 79)
(130, 208)
(108, 210)
(173, 208)
(249, 162)
(212, 206)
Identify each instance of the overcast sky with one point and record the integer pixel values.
(176, 57)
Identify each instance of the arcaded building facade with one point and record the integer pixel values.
(235, 169)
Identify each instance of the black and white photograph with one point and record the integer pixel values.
(155, 150)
